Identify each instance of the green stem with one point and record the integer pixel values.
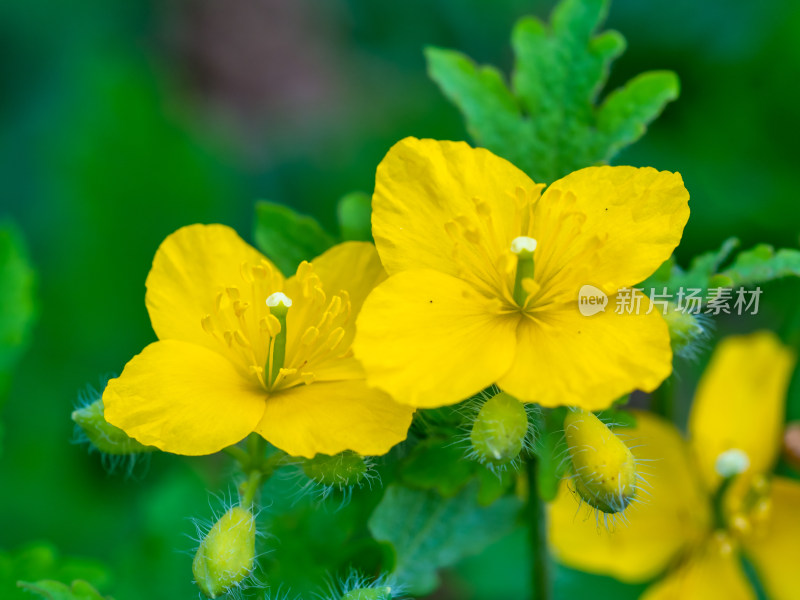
(251, 487)
(537, 520)
(241, 456)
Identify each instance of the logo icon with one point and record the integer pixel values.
(591, 300)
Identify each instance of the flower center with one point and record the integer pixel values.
(278, 347)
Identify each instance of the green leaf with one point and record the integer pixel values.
(550, 124)
(17, 299)
(748, 269)
(288, 238)
(428, 532)
(762, 264)
(38, 562)
(354, 212)
(438, 464)
(55, 590)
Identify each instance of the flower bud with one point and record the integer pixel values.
(102, 434)
(342, 470)
(226, 555)
(378, 593)
(686, 330)
(605, 470)
(499, 431)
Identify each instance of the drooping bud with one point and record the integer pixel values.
(343, 470)
(686, 330)
(103, 435)
(499, 431)
(378, 593)
(605, 469)
(226, 555)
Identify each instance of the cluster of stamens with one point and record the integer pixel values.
(263, 339)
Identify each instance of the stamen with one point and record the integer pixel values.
(523, 247)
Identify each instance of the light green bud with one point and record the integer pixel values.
(379, 593)
(344, 469)
(605, 470)
(499, 431)
(685, 330)
(102, 434)
(226, 555)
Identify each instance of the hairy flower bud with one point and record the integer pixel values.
(686, 330)
(226, 555)
(605, 470)
(343, 470)
(102, 434)
(499, 430)
(378, 593)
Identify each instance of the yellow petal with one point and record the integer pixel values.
(775, 550)
(670, 513)
(329, 418)
(565, 358)
(191, 267)
(424, 187)
(184, 399)
(613, 224)
(353, 268)
(740, 402)
(708, 573)
(429, 340)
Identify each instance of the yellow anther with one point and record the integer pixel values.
(453, 230)
(482, 208)
(335, 306)
(233, 293)
(260, 272)
(334, 338)
(310, 336)
(272, 325)
(207, 324)
(240, 339)
(307, 378)
(240, 307)
(319, 295)
(228, 336)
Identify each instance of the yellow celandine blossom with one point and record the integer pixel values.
(690, 521)
(242, 350)
(485, 270)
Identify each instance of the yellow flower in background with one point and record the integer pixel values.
(485, 270)
(241, 350)
(692, 521)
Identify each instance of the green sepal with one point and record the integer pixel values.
(288, 238)
(103, 435)
(55, 590)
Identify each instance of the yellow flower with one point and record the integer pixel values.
(690, 520)
(227, 364)
(485, 270)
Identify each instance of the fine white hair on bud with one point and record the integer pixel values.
(732, 462)
(279, 298)
(523, 244)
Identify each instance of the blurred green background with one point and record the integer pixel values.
(121, 121)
